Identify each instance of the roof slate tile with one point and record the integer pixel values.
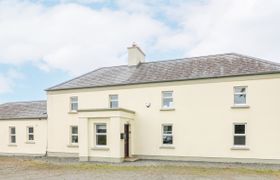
(212, 66)
(23, 110)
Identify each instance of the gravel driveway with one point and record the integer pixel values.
(42, 168)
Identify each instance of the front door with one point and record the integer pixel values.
(126, 140)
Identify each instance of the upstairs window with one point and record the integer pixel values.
(74, 103)
(167, 99)
(12, 132)
(240, 95)
(74, 135)
(167, 135)
(114, 101)
(239, 137)
(30, 134)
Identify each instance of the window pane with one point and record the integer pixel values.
(113, 97)
(13, 130)
(101, 140)
(101, 129)
(74, 130)
(167, 129)
(167, 94)
(114, 104)
(167, 102)
(240, 99)
(167, 139)
(74, 106)
(239, 129)
(75, 139)
(30, 130)
(13, 139)
(240, 89)
(74, 99)
(30, 137)
(239, 140)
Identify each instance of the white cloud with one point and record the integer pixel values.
(245, 26)
(7, 80)
(5, 84)
(75, 38)
(70, 37)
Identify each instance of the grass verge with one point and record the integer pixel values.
(158, 169)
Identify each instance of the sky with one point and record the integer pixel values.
(46, 42)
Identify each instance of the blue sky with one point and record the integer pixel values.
(45, 42)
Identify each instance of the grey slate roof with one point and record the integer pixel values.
(23, 110)
(212, 66)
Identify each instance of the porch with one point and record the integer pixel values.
(107, 134)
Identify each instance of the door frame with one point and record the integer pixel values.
(126, 140)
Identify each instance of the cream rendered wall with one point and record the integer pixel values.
(202, 120)
(60, 119)
(22, 147)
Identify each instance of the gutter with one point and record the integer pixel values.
(24, 118)
(156, 82)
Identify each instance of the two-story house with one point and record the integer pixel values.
(221, 107)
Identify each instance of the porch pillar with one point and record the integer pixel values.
(115, 141)
(83, 139)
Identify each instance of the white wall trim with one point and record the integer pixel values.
(208, 159)
(62, 154)
(21, 154)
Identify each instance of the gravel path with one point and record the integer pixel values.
(42, 168)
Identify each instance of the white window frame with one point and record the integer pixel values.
(96, 134)
(163, 134)
(12, 135)
(72, 135)
(240, 93)
(28, 133)
(73, 101)
(240, 135)
(113, 100)
(168, 97)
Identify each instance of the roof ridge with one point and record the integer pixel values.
(14, 102)
(188, 58)
(258, 59)
(213, 55)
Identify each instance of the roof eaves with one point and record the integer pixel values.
(25, 118)
(150, 82)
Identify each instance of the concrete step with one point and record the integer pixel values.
(131, 159)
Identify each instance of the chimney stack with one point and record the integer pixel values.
(135, 55)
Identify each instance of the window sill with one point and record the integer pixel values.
(12, 145)
(239, 148)
(167, 147)
(30, 142)
(73, 112)
(240, 107)
(100, 148)
(73, 145)
(167, 109)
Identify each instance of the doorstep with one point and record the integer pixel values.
(131, 159)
